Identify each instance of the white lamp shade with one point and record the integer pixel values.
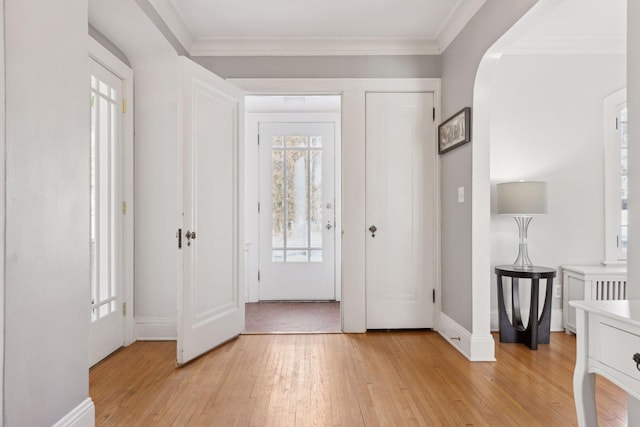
(522, 198)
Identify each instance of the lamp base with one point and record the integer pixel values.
(522, 261)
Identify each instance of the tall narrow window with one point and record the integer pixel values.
(616, 177)
(105, 126)
(624, 186)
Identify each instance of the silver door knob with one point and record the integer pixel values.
(373, 230)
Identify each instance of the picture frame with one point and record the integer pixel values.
(454, 131)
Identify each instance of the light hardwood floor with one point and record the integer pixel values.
(373, 379)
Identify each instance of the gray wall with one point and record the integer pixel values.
(47, 211)
(322, 66)
(459, 65)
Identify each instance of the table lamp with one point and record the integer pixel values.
(522, 199)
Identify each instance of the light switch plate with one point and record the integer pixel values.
(460, 194)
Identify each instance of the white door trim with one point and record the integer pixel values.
(102, 55)
(354, 228)
(251, 215)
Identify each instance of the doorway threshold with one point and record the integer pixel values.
(292, 317)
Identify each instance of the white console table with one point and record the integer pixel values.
(608, 344)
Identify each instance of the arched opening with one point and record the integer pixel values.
(536, 88)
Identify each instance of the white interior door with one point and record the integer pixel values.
(400, 198)
(297, 211)
(107, 324)
(210, 304)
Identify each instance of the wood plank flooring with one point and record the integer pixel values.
(373, 379)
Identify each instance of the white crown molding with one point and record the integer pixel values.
(171, 15)
(314, 46)
(456, 21)
(569, 46)
(311, 46)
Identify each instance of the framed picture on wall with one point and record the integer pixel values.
(455, 131)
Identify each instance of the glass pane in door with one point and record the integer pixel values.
(296, 198)
(103, 193)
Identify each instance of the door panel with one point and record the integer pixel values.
(297, 211)
(210, 304)
(400, 200)
(107, 325)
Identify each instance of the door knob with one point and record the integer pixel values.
(329, 226)
(191, 235)
(373, 230)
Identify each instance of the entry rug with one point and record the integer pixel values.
(292, 317)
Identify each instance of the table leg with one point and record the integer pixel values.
(533, 314)
(584, 383)
(507, 333)
(544, 325)
(516, 316)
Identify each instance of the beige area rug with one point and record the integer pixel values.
(292, 317)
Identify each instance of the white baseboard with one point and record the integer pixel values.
(556, 319)
(83, 415)
(156, 328)
(475, 348)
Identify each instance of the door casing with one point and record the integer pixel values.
(353, 92)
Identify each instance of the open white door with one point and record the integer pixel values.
(210, 304)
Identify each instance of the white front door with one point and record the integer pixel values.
(297, 211)
(210, 303)
(400, 210)
(107, 325)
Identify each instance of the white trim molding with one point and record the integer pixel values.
(170, 13)
(156, 328)
(83, 415)
(312, 46)
(175, 20)
(476, 348)
(456, 21)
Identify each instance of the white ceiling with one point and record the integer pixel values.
(578, 26)
(315, 27)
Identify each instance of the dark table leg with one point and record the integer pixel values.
(544, 325)
(532, 327)
(516, 312)
(507, 332)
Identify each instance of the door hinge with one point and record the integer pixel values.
(258, 207)
(434, 114)
(124, 208)
(179, 237)
(124, 308)
(433, 296)
(617, 241)
(258, 275)
(124, 106)
(258, 139)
